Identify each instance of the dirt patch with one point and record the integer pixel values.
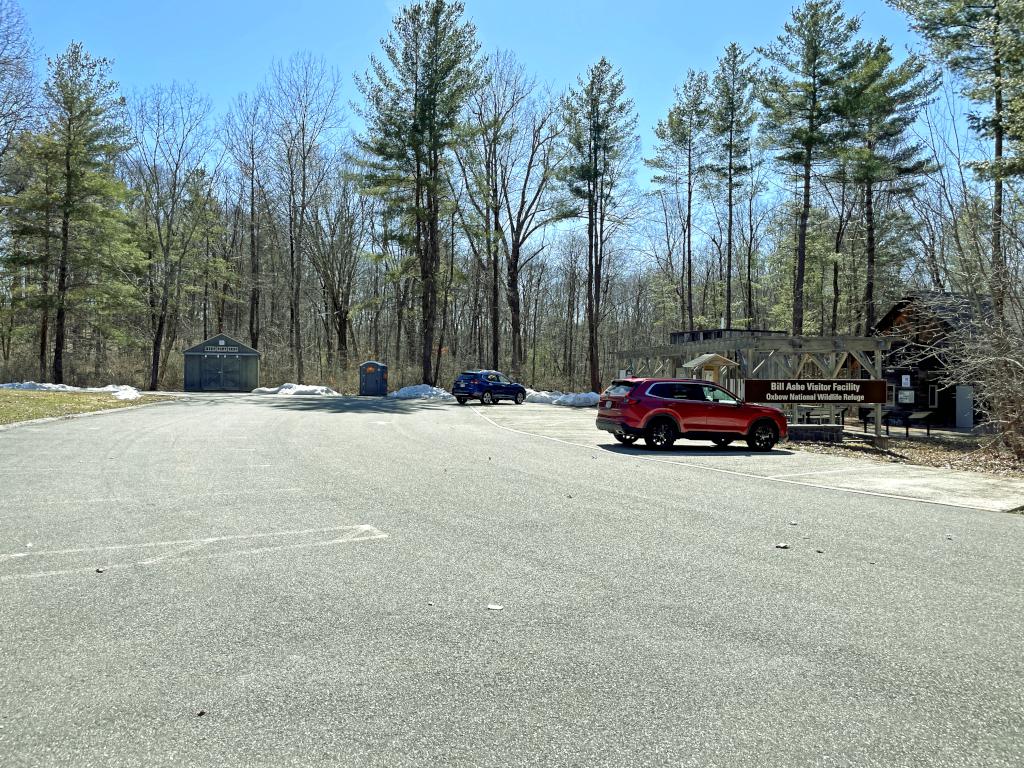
(965, 453)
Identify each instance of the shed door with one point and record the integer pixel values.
(231, 373)
(221, 373)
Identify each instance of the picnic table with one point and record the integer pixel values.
(820, 415)
(899, 417)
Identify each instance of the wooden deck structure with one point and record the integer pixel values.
(764, 355)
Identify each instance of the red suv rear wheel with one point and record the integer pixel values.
(661, 434)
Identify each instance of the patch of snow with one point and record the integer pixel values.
(124, 392)
(119, 391)
(422, 392)
(571, 399)
(294, 389)
(548, 398)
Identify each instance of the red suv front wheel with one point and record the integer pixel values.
(763, 436)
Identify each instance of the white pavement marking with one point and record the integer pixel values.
(172, 555)
(193, 542)
(136, 499)
(350, 533)
(20, 470)
(774, 479)
(819, 472)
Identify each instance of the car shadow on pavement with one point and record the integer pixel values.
(691, 450)
(474, 403)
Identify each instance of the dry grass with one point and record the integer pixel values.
(16, 405)
(962, 452)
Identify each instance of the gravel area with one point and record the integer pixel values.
(966, 453)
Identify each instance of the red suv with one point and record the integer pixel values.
(663, 410)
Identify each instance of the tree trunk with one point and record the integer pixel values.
(44, 320)
(297, 318)
(154, 364)
(428, 271)
(728, 243)
(591, 258)
(689, 235)
(444, 304)
(750, 280)
(835, 297)
(515, 309)
(60, 320)
(254, 268)
(206, 309)
(869, 279)
(341, 329)
(492, 245)
(62, 275)
(536, 311)
(999, 271)
(801, 248)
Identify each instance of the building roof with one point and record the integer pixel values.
(943, 307)
(221, 344)
(709, 359)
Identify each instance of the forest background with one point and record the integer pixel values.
(447, 207)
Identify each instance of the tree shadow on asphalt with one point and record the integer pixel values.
(697, 451)
(342, 404)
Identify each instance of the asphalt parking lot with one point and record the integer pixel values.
(344, 581)
(786, 464)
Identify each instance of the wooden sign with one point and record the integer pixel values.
(816, 391)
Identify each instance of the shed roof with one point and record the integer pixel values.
(709, 359)
(221, 344)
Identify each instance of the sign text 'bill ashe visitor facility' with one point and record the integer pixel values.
(828, 391)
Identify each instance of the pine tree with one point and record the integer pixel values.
(601, 136)
(883, 102)
(1014, 40)
(732, 118)
(32, 175)
(413, 113)
(801, 95)
(84, 137)
(981, 42)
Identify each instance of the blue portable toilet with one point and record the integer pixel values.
(373, 379)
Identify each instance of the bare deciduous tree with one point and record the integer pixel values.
(304, 95)
(17, 84)
(245, 136)
(172, 142)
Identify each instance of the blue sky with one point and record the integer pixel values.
(226, 46)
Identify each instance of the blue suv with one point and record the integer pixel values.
(487, 386)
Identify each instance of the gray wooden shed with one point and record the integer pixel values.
(221, 364)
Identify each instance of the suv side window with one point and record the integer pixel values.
(492, 377)
(664, 390)
(690, 392)
(503, 380)
(716, 395)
